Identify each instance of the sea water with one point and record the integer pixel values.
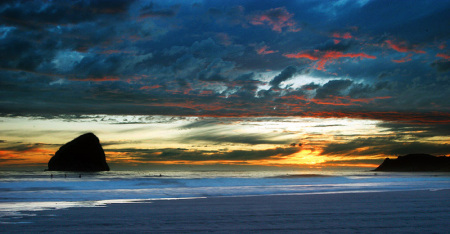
(38, 190)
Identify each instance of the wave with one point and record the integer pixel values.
(23, 189)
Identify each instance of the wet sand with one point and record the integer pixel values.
(377, 212)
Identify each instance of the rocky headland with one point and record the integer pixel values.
(83, 153)
(416, 163)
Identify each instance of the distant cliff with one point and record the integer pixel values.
(84, 153)
(416, 163)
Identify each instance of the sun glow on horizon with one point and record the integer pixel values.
(141, 140)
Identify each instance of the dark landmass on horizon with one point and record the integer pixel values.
(416, 163)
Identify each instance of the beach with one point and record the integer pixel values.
(424, 211)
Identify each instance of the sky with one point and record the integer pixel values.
(302, 83)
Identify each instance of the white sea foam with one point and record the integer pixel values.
(31, 191)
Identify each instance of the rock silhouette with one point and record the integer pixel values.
(415, 163)
(83, 153)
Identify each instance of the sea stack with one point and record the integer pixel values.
(83, 153)
(415, 163)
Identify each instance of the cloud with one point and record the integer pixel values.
(277, 19)
(34, 15)
(215, 136)
(346, 35)
(214, 130)
(417, 131)
(327, 56)
(332, 55)
(403, 60)
(403, 47)
(286, 74)
(301, 55)
(23, 148)
(149, 11)
(444, 56)
(333, 88)
(178, 154)
(265, 50)
(92, 57)
(384, 146)
(441, 65)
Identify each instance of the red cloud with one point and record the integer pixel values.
(327, 57)
(444, 56)
(346, 35)
(98, 79)
(403, 60)
(206, 92)
(346, 101)
(402, 47)
(332, 55)
(224, 39)
(419, 118)
(277, 19)
(263, 50)
(301, 55)
(150, 87)
(331, 101)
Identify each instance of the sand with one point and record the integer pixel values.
(380, 212)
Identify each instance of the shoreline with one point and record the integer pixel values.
(400, 211)
(19, 208)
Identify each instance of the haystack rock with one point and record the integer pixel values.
(83, 153)
(416, 163)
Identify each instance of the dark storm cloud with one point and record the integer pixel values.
(286, 74)
(22, 147)
(215, 136)
(441, 65)
(333, 88)
(174, 154)
(417, 131)
(384, 145)
(36, 15)
(212, 130)
(366, 90)
(202, 124)
(151, 11)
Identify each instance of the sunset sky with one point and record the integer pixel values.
(270, 83)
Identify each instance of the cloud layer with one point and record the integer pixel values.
(245, 58)
(366, 59)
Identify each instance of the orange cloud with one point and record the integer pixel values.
(30, 156)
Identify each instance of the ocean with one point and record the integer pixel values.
(22, 191)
